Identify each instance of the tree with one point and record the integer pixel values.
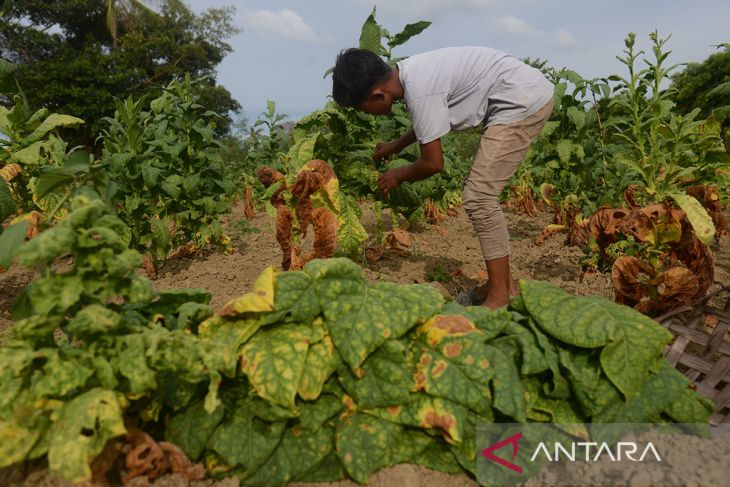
(698, 79)
(68, 61)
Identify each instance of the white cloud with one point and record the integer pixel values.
(520, 28)
(429, 9)
(283, 24)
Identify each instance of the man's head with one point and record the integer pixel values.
(360, 79)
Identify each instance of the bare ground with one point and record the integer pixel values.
(446, 255)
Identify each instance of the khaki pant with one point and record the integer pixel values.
(501, 150)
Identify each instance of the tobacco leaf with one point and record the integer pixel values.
(362, 319)
(676, 287)
(631, 278)
(274, 360)
(384, 379)
(191, 429)
(84, 425)
(299, 453)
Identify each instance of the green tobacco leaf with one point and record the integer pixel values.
(295, 299)
(383, 380)
(50, 244)
(60, 377)
(94, 320)
(632, 342)
(408, 31)
(303, 151)
(697, 215)
(228, 333)
(191, 429)
(370, 35)
(427, 412)
(636, 351)
(559, 411)
(7, 203)
(299, 453)
(350, 234)
(150, 174)
(329, 470)
(53, 121)
(131, 364)
(52, 179)
(365, 444)
(523, 343)
(57, 292)
(567, 318)
(690, 407)
(577, 116)
(16, 442)
(84, 425)
(273, 360)
(318, 366)
(10, 242)
(589, 384)
(452, 362)
(491, 323)
(655, 395)
(362, 321)
(170, 301)
(245, 441)
(313, 414)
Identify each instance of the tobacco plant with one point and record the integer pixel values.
(95, 348)
(164, 158)
(30, 145)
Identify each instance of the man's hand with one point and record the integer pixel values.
(385, 149)
(390, 180)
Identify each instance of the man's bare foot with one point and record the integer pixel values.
(481, 292)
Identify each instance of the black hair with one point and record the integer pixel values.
(355, 73)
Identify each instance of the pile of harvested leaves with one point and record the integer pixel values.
(315, 375)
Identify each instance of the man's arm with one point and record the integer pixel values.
(386, 149)
(430, 162)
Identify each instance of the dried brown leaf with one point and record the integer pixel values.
(631, 279)
(248, 209)
(549, 231)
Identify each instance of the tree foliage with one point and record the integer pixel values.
(67, 60)
(698, 79)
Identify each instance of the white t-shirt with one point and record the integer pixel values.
(456, 88)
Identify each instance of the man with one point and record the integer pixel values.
(454, 89)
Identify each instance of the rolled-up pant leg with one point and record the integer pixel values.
(503, 147)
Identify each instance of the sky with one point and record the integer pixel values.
(285, 46)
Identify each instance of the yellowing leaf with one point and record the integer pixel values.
(260, 299)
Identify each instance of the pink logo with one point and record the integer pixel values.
(512, 440)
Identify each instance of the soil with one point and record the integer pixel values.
(446, 255)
